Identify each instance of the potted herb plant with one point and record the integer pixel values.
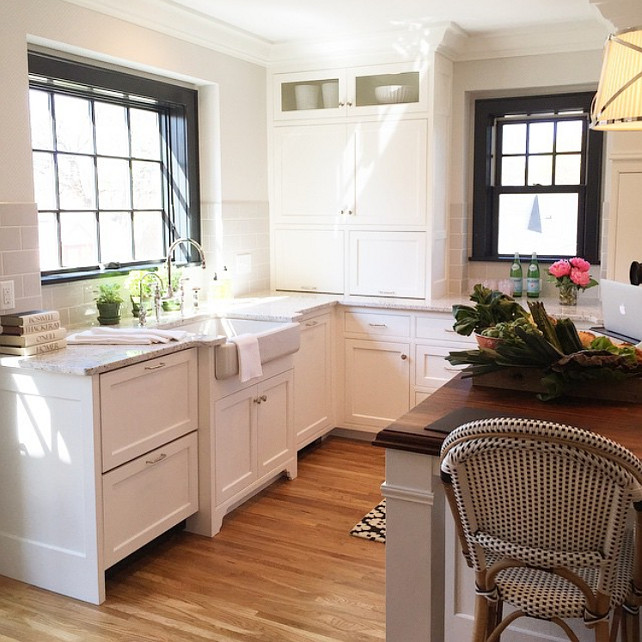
(108, 303)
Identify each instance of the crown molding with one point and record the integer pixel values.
(418, 42)
(184, 24)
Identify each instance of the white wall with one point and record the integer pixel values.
(515, 76)
(234, 183)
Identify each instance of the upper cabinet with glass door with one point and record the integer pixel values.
(358, 91)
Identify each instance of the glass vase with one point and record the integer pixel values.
(568, 294)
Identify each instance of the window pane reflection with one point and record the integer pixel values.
(148, 235)
(76, 182)
(74, 129)
(544, 223)
(513, 170)
(78, 238)
(115, 237)
(112, 138)
(514, 139)
(48, 241)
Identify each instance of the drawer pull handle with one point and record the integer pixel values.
(377, 325)
(452, 369)
(156, 367)
(388, 292)
(404, 357)
(308, 287)
(155, 461)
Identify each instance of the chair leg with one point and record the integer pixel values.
(630, 626)
(482, 619)
(495, 611)
(601, 632)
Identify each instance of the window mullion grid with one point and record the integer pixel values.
(99, 250)
(52, 107)
(167, 177)
(131, 182)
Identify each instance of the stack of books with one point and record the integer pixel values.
(32, 332)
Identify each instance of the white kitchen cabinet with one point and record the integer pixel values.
(246, 437)
(339, 93)
(388, 264)
(309, 260)
(313, 414)
(146, 405)
(377, 383)
(147, 496)
(253, 433)
(370, 173)
(70, 521)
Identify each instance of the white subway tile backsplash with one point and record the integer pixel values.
(29, 237)
(18, 214)
(10, 239)
(20, 262)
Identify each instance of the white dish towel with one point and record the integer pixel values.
(249, 356)
(125, 336)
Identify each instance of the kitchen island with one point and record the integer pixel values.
(429, 589)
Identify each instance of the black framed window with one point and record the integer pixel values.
(537, 178)
(115, 167)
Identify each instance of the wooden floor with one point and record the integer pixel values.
(283, 568)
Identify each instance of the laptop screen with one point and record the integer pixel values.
(622, 310)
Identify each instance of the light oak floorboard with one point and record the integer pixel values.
(283, 568)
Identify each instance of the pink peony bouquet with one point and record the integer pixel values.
(573, 272)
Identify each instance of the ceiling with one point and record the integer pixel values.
(287, 21)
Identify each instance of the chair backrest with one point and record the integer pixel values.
(541, 493)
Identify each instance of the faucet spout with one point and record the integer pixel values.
(142, 312)
(177, 242)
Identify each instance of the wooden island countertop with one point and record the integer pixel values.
(621, 422)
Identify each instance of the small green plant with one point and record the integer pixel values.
(109, 293)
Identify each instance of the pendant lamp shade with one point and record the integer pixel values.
(618, 101)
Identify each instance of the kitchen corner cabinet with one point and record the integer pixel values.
(246, 438)
(65, 514)
(376, 387)
(393, 360)
(313, 399)
(345, 92)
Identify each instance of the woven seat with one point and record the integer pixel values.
(541, 512)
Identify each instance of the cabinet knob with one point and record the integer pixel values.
(349, 103)
(404, 357)
(310, 324)
(260, 399)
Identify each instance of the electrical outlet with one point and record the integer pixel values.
(7, 296)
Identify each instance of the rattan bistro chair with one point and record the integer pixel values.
(541, 512)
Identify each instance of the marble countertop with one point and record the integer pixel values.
(270, 306)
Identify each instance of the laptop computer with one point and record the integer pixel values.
(621, 310)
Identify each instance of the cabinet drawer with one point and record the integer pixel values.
(149, 495)
(146, 405)
(439, 328)
(376, 324)
(431, 368)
